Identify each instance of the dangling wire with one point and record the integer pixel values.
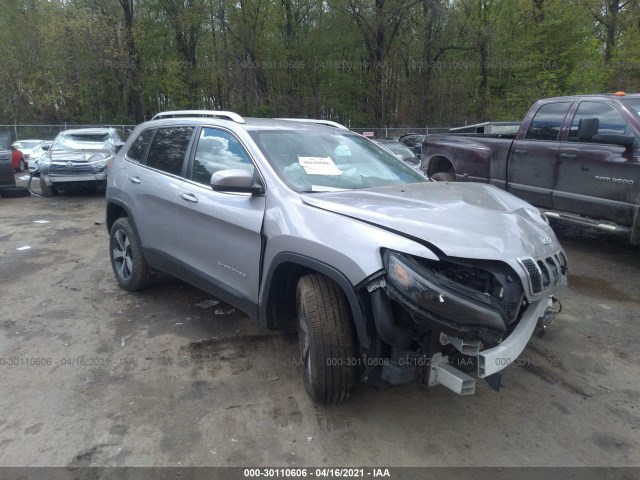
(36, 174)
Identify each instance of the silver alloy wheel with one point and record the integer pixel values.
(122, 255)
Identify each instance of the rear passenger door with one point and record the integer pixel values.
(597, 179)
(154, 174)
(220, 233)
(532, 160)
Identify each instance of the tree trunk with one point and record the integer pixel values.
(134, 94)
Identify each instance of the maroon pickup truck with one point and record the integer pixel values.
(577, 158)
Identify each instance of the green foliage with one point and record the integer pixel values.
(359, 62)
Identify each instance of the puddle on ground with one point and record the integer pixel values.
(598, 287)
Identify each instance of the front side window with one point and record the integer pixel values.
(633, 104)
(595, 118)
(168, 149)
(312, 161)
(547, 122)
(218, 150)
(137, 150)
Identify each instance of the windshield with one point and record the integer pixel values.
(28, 144)
(634, 105)
(81, 141)
(327, 161)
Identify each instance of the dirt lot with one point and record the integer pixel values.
(96, 376)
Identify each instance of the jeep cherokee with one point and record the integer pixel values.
(387, 276)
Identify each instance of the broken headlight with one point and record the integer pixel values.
(431, 292)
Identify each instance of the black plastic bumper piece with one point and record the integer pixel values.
(387, 329)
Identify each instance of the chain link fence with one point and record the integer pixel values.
(395, 133)
(48, 132)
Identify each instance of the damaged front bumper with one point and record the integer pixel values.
(439, 323)
(53, 179)
(493, 360)
(497, 358)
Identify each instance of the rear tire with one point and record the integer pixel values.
(47, 190)
(444, 177)
(128, 263)
(325, 329)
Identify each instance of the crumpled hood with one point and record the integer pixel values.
(79, 155)
(469, 220)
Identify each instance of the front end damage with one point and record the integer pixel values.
(454, 320)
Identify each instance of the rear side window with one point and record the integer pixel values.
(137, 150)
(547, 122)
(168, 149)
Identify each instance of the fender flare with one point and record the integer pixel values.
(357, 311)
(121, 204)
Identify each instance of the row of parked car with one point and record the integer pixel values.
(74, 159)
(78, 158)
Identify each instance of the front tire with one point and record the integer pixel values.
(325, 330)
(129, 266)
(47, 190)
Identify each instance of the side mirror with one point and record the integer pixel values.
(46, 147)
(626, 141)
(119, 146)
(587, 128)
(237, 181)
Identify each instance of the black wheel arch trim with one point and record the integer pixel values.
(357, 310)
(121, 204)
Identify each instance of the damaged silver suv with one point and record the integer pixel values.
(387, 276)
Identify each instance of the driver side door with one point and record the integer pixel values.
(597, 179)
(219, 233)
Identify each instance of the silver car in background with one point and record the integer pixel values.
(27, 147)
(387, 276)
(37, 154)
(78, 159)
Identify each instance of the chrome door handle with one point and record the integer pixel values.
(521, 151)
(135, 180)
(569, 156)
(189, 197)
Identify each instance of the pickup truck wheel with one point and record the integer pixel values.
(326, 338)
(128, 263)
(444, 177)
(47, 191)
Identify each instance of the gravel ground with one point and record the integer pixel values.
(96, 376)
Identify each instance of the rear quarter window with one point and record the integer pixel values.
(139, 147)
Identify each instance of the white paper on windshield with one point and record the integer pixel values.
(322, 188)
(319, 166)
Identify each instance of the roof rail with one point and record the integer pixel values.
(327, 123)
(200, 113)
